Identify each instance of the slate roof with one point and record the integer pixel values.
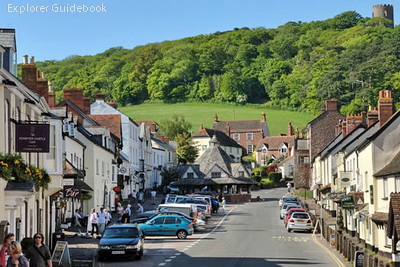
(214, 155)
(7, 38)
(182, 169)
(20, 186)
(111, 121)
(394, 215)
(393, 167)
(223, 139)
(274, 142)
(216, 181)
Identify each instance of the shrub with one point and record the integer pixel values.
(275, 176)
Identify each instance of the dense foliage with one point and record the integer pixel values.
(295, 66)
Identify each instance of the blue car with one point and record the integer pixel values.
(167, 225)
(121, 240)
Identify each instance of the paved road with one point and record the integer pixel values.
(249, 235)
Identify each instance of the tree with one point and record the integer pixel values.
(175, 126)
(185, 149)
(169, 175)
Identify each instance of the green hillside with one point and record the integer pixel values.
(295, 66)
(203, 113)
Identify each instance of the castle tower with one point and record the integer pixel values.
(383, 11)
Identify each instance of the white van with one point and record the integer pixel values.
(186, 208)
(172, 198)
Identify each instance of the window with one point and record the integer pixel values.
(385, 188)
(215, 174)
(97, 166)
(113, 174)
(241, 173)
(236, 136)
(397, 184)
(249, 149)
(190, 175)
(171, 220)
(159, 220)
(304, 160)
(103, 168)
(249, 136)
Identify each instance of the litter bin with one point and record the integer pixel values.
(57, 236)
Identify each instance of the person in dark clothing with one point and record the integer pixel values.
(39, 254)
(125, 217)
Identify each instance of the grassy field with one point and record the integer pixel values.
(203, 113)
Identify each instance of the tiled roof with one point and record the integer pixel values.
(111, 121)
(70, 171)
(379, 218)
(214, 155)
(182, 169)
(274, 142)
(254, 125)
(216, 181)
(223, 139)
(7, 38)
(394, 215)
(393, 167)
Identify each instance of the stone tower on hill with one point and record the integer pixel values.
(383, 11)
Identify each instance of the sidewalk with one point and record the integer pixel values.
(83, 249)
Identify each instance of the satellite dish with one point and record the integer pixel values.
(122, 170)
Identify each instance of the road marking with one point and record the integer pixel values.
(338, 261)
(291, 239)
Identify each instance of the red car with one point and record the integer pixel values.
(290, 211)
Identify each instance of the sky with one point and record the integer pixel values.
(54, 29)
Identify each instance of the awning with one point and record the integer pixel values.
(380, 218)
(71, 172)
(82, 185)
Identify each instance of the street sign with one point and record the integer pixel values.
(61, 255)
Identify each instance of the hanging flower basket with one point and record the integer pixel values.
(13, 167)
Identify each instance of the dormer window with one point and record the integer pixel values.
(190, 175)
(215, 174)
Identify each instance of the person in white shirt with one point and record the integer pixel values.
(289, 186)
(128, 210)
(108, 217)
(102, 220)
(153, 196)
(140, 208)
(93, 221)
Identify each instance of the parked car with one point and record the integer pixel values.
(173, 198)
(202, 206)
(287, 198)
(285, 208)
(299, 221)
(121, 240)
(289, 213)
(173, 188)
(198, 224)
(167, 225)
(189, 209)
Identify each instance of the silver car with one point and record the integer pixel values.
(285, 208)
(299, 221)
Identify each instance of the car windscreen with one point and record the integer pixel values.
(121, 233)
(300, 215)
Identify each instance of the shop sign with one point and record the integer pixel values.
(32, 138)
(338, 195)
(348, 203)
(72, 192)
(345, 178)
(359, 259)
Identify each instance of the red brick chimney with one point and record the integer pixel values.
(331, 105)
(201, 127)
(338, 128)
(75, 96)
(51, 98)
(227, 129)
(86, 105)
(32, 78)
(385, 106)
(296, 133)
(290, 129)
(263, 117)
(215, 118)
(163, 139)
(344, 128)
(354, 120)
(372, 115)
(113, 103)
(100, 96)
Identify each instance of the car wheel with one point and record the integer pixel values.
(289, 230)
(101, 258)
(139, 256)
(181, 234)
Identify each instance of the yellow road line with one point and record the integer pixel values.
(339, 262)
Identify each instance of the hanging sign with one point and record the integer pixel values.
(32, 138)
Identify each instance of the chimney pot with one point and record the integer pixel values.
(215, 118)
(32, 60)
(25, 59)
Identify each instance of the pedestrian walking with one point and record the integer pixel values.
(16, 258)
(77, 217)
(139, 208)
(141, 197)
(3, 251)
(108, 217)
(101, 220)
(289, 186)
(119, 207)
(153, 196)
(39, 254)
(134, 196)
(93, 221)
(223, 204)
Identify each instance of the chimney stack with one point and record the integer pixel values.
(227, 129)
(263, 117)
(215, 118)
(100, 97)
(290, 129)
(372, 115)
(296, 133)
(331, 105)
(33, 79)
(86, 105)
(113, 103)
(75, 96)
(344, 128)
(385, 106)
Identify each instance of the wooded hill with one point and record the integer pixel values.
(295, 66)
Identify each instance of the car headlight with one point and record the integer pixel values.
(132, 246)
(105, 247)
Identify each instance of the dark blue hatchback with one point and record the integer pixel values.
(121, 240)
